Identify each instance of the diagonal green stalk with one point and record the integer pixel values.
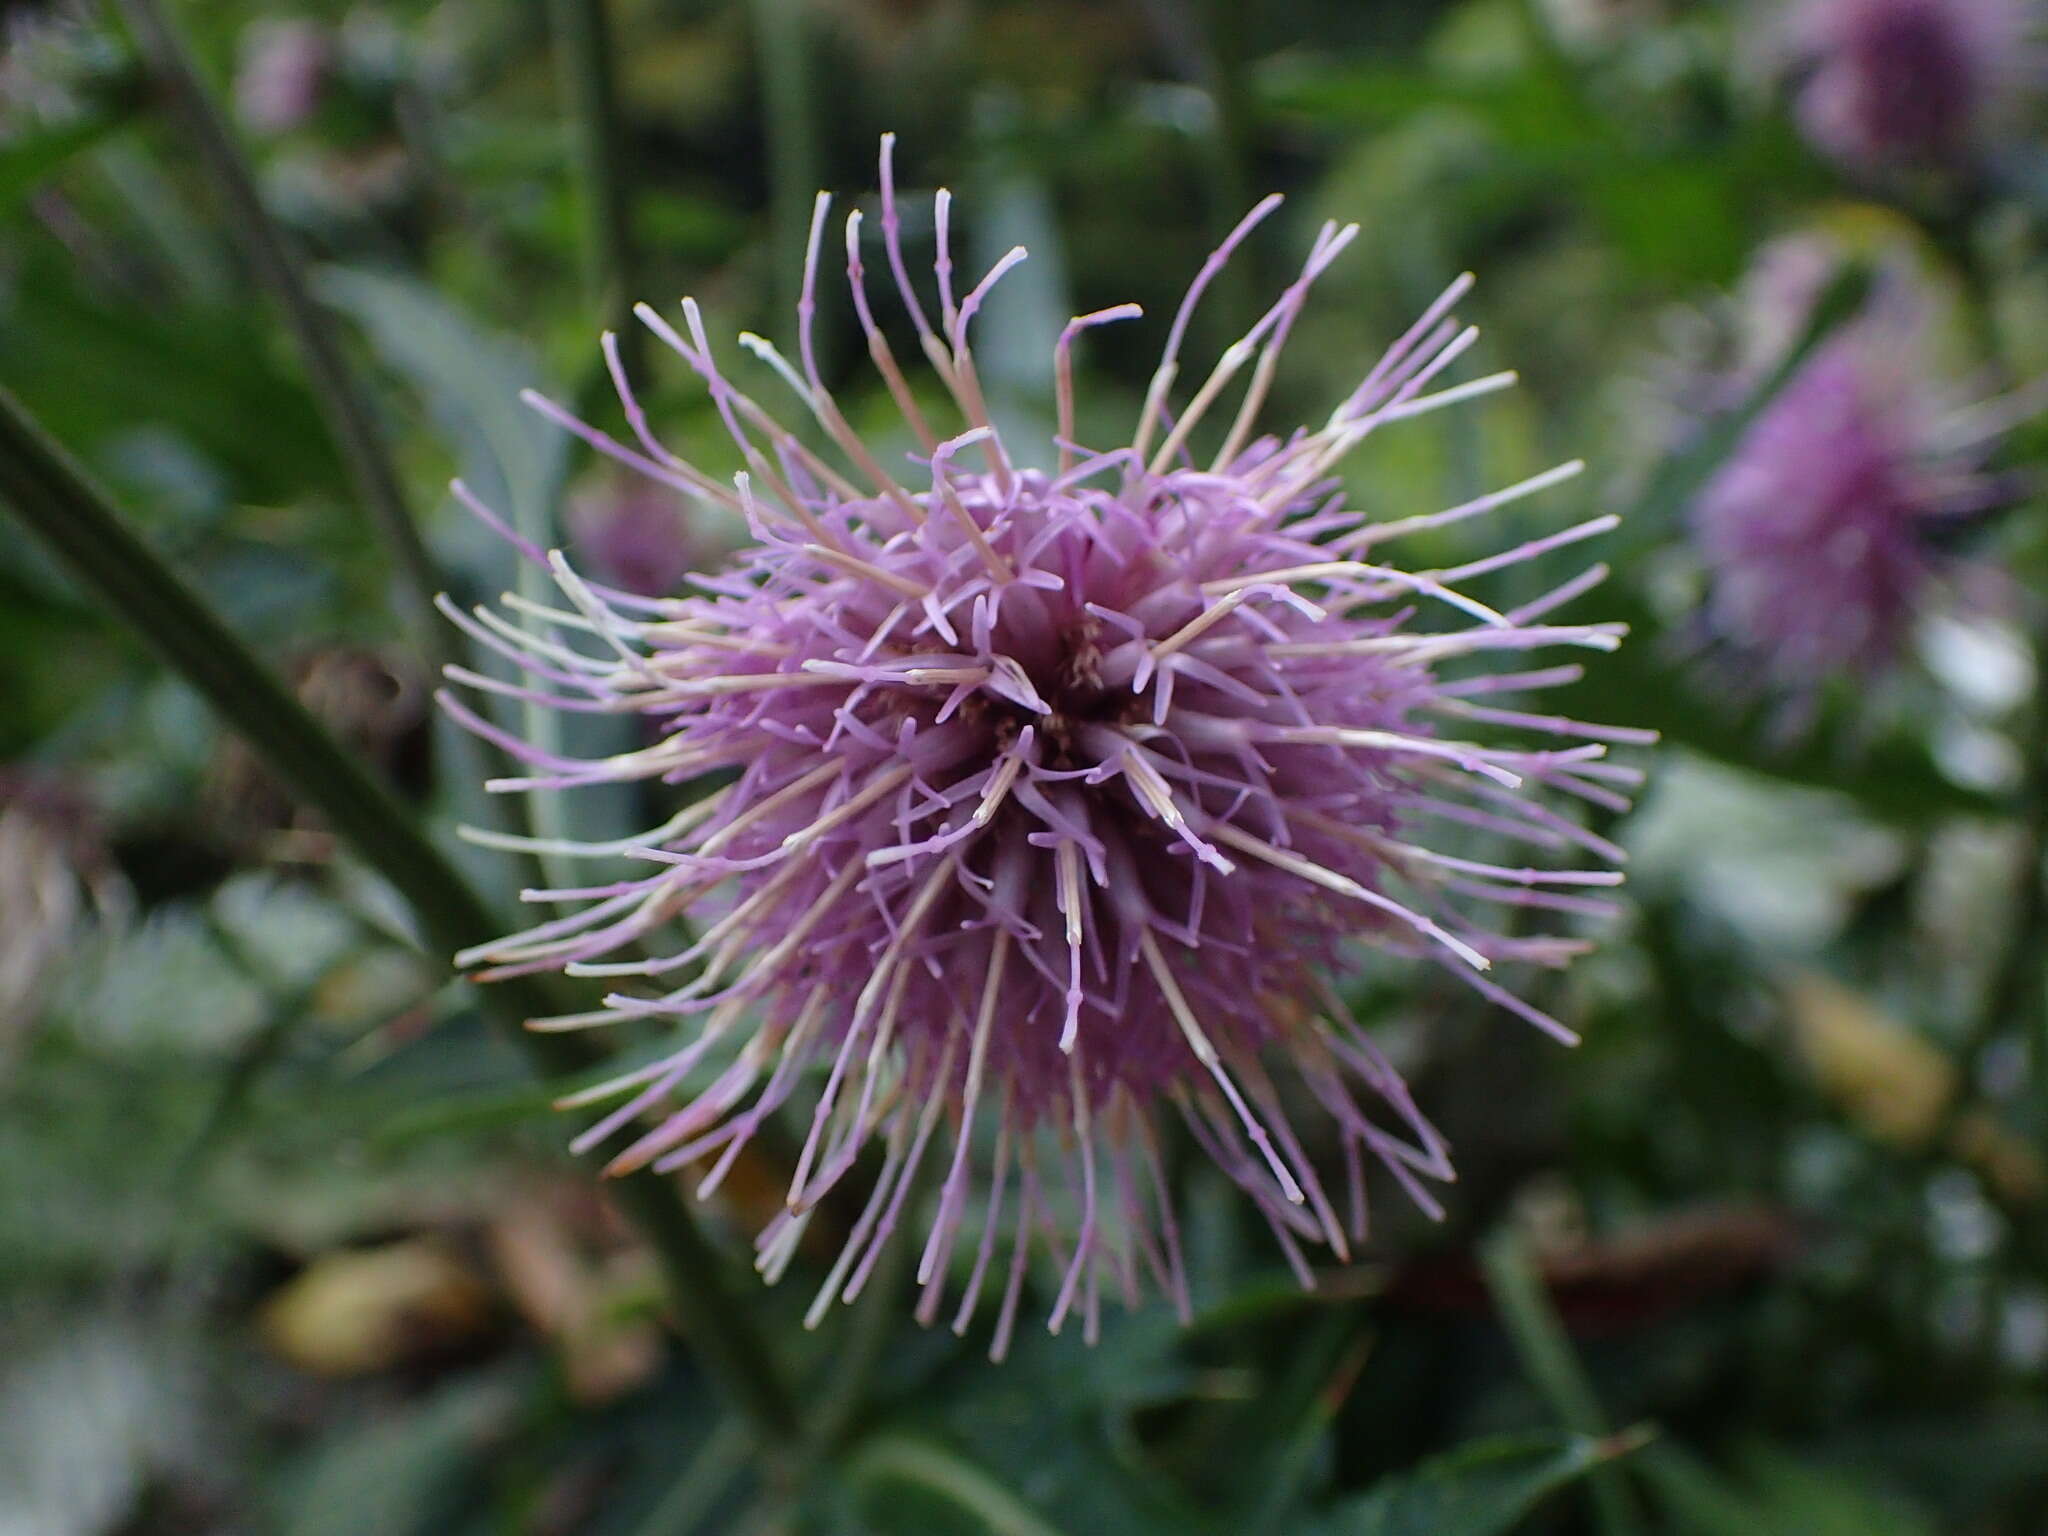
(53, 498)
(1539, 1338)
(789, 123)
(1224, 25)
(709, 1473)
(587, 63)
(279, 267)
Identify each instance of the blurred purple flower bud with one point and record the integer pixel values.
(285, 64)
(1818, 531)
(633, 535)
(1721, 353)
(1892, 84)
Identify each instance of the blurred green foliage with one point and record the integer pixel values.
(221, 1063)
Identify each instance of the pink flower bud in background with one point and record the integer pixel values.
(633, 535)
(1819, 533)
(284, 67)
(1892, 84)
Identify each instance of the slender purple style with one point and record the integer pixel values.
(1052, 799)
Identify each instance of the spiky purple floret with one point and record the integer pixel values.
(1906, 83)
(1056, 795)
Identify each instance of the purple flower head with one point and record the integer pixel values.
(1054, 798)
(1905, 83)
(1816, 531)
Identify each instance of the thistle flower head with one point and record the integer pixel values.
(1819, 533)
(1049, 799)
(1896, 84)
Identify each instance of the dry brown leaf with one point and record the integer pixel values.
(570, 1295)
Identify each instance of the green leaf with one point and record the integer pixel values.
(1697, 1500)
(473, 1114)
(468, 379)
(1821, 1501)
(204, 371)
(27, 162)
(393, 1474)
(1287, 1428)
(1536, 1332)
(1055, 1425)
(1484, 1488)
(1962, 1462)
(1774, 1493)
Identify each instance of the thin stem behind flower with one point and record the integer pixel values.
(1539, 1338)
(280, 268)
(782, 56)
(587, 62)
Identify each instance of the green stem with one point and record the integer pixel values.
(782, 54)
(1224, 46)
(835, 1416)
(1320, 1388)
(706, 1479)
(52, 497)
(280, 268)
(587, 62)
(1546, 1353)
